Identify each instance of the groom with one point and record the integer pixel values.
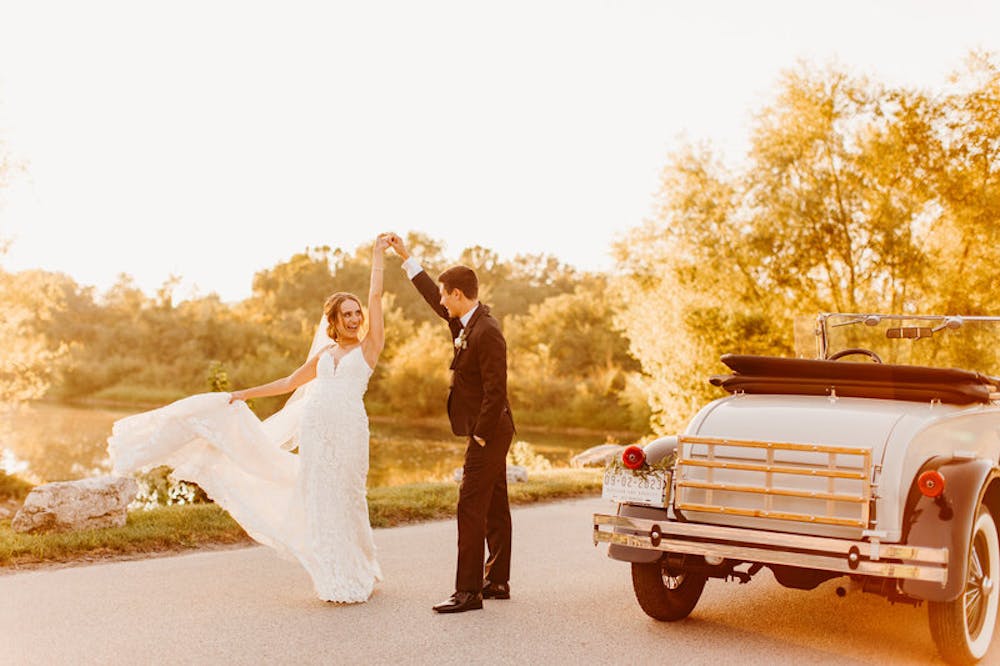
(478, 410)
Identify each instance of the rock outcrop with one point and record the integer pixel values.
(76, 505)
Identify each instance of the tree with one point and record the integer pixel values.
(27, 358)
(24, 357)
(415, 380)
(569, 363)
(854, 197)
(966, 188)
(300, 284)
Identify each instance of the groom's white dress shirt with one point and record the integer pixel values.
(412, 267)
(468, 315)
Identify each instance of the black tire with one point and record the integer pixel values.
(963, 628)
(664, 596)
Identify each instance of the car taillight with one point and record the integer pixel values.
(633, 457)
(931, 483)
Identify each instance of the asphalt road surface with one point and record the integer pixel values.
(570, 605)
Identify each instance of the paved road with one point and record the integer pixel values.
(571, 604)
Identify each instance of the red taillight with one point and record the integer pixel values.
(931, 483)
(633, 457)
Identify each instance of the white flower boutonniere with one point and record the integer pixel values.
(460, 342)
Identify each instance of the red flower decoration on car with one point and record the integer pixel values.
(634, 457)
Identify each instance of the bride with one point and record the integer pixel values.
(311, 506)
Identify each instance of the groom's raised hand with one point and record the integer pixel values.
(397, 245)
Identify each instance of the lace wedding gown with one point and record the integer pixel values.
(311, 506)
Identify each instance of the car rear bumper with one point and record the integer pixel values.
(868, 558)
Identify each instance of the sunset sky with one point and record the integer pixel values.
(212, 139)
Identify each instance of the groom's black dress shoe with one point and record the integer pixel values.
(495, 590)
(461, 602)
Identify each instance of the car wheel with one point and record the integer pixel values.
(963, 628)
(664, 595)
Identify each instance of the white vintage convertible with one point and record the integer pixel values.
(886, 472)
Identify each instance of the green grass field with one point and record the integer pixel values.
(182, 527)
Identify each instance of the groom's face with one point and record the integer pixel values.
(452, 301)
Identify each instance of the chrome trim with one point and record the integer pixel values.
(928, 564)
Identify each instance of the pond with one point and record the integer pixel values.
(50, 442)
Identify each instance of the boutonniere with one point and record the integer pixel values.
(460, 342)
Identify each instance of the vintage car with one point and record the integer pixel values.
(878, 461)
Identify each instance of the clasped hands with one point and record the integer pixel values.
(395, 242)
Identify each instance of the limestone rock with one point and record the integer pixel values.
(596, 456)
(76, 505)
(515, 474)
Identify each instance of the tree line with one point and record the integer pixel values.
(569, 366)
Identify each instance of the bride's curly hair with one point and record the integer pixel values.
(332, 310)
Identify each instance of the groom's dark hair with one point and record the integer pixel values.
(462, 278)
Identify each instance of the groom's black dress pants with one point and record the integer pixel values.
(484, 512)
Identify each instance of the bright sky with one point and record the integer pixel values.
(211, 139)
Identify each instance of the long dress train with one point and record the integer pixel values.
(311, 506)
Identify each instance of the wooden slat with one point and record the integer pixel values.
(777, 469)
(831, 471)
(754, 513)
(784, 492)
(769, 481)
(785, 446)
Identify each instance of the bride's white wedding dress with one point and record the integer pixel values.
(311, 506)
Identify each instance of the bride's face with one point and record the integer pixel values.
(349, 320)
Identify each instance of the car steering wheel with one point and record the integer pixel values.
(855, 350)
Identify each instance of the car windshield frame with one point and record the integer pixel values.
(943, 341)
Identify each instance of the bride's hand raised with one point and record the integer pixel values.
(396, 243)
(382, 242)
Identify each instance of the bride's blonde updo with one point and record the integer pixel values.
(332, 310)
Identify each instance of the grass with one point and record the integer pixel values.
(163, 529)
(182, 527)
(416, 502)
(12, 487)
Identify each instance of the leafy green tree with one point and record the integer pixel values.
(569, 363)
(25, 357)
(855, 197)
(300, 284)
(966, 186)
(415, 382)
(579, 327)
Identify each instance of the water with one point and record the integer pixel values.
(48, 442)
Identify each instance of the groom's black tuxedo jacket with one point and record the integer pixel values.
(477, 398)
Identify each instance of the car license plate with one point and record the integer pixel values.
(627, 487)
